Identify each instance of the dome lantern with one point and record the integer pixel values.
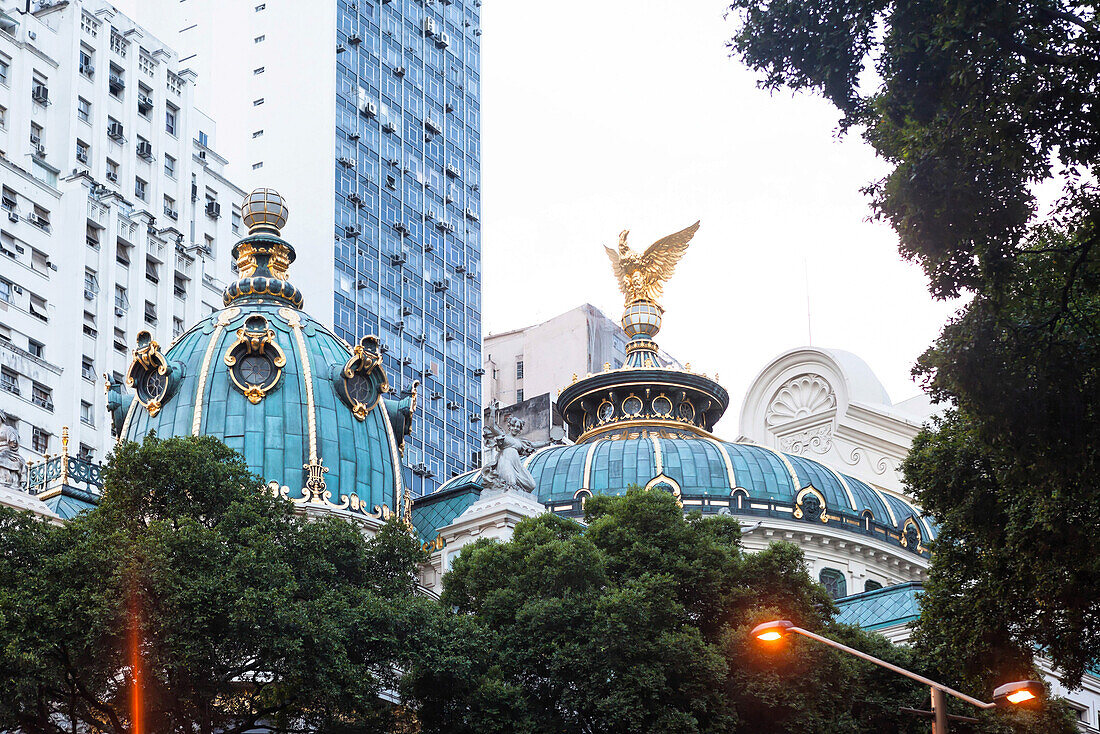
(263, 257)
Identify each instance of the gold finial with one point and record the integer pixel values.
(606, 366)
(264, 211)
(687, 366)
(641, 276)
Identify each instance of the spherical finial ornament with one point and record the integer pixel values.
(264, 211)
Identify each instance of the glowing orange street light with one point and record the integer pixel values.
(1010, 694)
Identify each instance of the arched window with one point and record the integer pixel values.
(834, 583)
(872, 585)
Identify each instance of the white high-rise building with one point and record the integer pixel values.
(116, 216)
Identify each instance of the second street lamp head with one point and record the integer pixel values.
(1021, 692)
(771, 631)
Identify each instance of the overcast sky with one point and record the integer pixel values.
(599, 116)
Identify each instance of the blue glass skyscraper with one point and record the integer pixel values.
(408, 203)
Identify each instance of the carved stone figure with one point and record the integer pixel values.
(12, 465)
(502, 467)
(641, 276)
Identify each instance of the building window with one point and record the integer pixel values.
(41, 218)
(41, 396)
(86, 452)
(258, 39)
(171, 112)
(83, 110)
(170, 207)
(169, 166)
(260, 7)
(8, 200)
(82, 151)
(3, 118)
(5, 67)
(116, 82)
(5, 291)
(177, 326)
(150, 313)
(257, 133)
(89, 324)
(37, 349)
(146, 63)
(38, 307)
(9, 380)
(180, 287)
(235, 219)
(519, 369)
(204, 139)
(257, 102)
(119, 44)
(834, 583)
(139, 188)
(91, 284)
(120, 342)
(519, 395)
(121, 301)
(872, 585)
(87, 368)
(258, 70)
(86, 413)
(175, 84)
(89, 25)
(36, 135)
(112, 170)
(152, 270)
(208, 244)
(40, 440)
(257, 166)
(87, 67)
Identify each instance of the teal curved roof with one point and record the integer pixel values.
(274, 434)
(708, 472)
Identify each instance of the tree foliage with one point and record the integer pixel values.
(976, 105)
(242, 611)
(640, 622)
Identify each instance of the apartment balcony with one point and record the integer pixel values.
(97, 214)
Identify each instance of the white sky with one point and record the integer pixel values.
(599, 116)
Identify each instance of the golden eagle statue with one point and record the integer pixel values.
(641, 276)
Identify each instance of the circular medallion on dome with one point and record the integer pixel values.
(255, 369)
(605, 412)
(151, 386)
(632, 405)
(686, 411)
(255, 360)
(588, 421)
(662, 405)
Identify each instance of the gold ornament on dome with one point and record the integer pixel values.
(148, 374)
(255, 361)
(642, 276)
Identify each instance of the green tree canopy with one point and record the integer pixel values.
(975, 105)
(640, 622)
(243, 611)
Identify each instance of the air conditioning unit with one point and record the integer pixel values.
(460, 268)
(471, 214)
(119, 313)
(368, 108)
(420, 339)
(144, 103)
(400, 228)
(433, 126)
(398, 259)
(40, 94)
(390, 127)
(40, 151)
(443, 41)
(353, 136)
(406, 311)
(351, 231)
(399, 71)
(145, 150)
(474, 417)
(87, 70)
(13, 217)
(429, 26)
(112, 176)
(346, 162)
(439, 286)
(392, 161)
(354, 39)
(354, 198)
(116, 84)
(213, 209)
(452, 171)
(479, 372)
(114, 131)
(452, 405)
(406, 361)
(82, 155)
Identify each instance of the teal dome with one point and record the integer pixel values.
(715, 476)
(304, 408)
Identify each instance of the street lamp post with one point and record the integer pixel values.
(1014, 693)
